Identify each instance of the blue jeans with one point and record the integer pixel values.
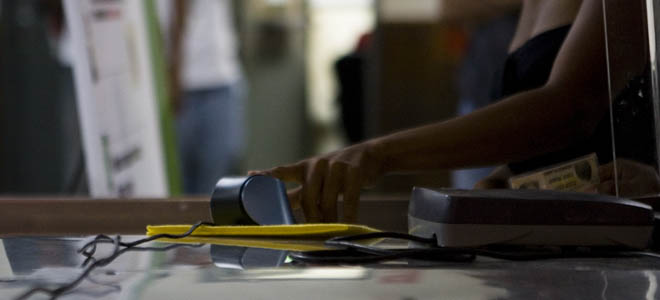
(210, 136)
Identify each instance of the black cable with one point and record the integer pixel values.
(385, 234)
(345, 241)
(356, 253)
(353, 256)
(89, 249)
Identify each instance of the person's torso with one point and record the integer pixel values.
(529, 66)
(539, 16)
(210, 55)
(209, 46)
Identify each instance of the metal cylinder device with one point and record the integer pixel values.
(251, 200)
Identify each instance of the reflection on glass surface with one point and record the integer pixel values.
(632, 67)
(29, 255)
(240, 258)
(324, 273)
(191, 273)
(5, 268)
(652, 291)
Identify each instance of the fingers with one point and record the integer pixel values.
(294, 172)
(607, 187)
(490, 183)
(331, 188)
(351, 195)
(295, 197)
(321, 183)
(311, 175)
(316, 173)
(606, 172)
(589, 189)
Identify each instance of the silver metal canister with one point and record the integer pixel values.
(250, 200)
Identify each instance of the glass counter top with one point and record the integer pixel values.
(224, 272)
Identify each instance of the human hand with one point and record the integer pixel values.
(323, 178)
(498, 179)
(635, 179)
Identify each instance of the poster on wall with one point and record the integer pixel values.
(117, 106)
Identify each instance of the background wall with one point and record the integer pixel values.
(272, 34)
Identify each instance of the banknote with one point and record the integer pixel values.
(579, 175)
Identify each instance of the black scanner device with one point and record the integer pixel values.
(250, 200)
(473, 218)
(467, 218)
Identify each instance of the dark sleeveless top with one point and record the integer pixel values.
(528, 68)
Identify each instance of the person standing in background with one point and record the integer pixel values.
(41, 151)
(206, 89)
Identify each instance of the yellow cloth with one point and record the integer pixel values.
(298, 237)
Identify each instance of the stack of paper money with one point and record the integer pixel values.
(579, 175)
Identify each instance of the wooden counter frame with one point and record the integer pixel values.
(52, 216)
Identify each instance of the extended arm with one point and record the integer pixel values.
(549, 118)
(527, 124)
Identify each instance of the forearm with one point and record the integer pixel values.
(527, 124)
(548, 118)
(520, 127)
